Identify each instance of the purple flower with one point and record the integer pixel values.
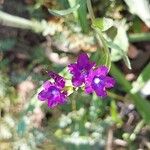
(80, 69)
(98, 81)
(53, 92)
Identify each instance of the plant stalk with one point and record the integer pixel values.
(18, 22)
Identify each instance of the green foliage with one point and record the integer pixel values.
(103, 23)
(117, 40)
(7, 44)
(141, 9)
(64, 12)
(114, 114)
(141, 104)
(83, 122)
(82, 15)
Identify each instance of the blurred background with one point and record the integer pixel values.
(41, 35)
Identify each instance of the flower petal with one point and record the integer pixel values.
(47, 84)
(83, 60)
(72, 68)
(88, 89)
(77, 81)
(60, 81)
(90, 65)
(101, 92)
(42, 95)
(102, 71)
(109, 82)
(52, 103)
(63, 98)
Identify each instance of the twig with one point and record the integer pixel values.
(109, 139)
(18, 22)
(116, 96)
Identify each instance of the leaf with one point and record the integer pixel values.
(142, 105)
(121, 40)
(64, 12)
(102, 23)
(119, 54)
(142, 79)
(82, 15)
(114, 113)
(111, 32)
(141, 9)
(65, 3)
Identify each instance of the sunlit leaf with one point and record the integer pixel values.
(114, 113)
(121, 40)
(102, 23)
(119, 53)
(141, 8)
(142, 79)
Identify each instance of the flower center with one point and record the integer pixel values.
(97, 80)
(55, 92)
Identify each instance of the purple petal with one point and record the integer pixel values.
(90, 65)
(102, 71)
(42, 95)
(90, 76)
(60, 81)
(83, 60)
(101, 92)
(109, 82)
(88, 89)
(77, 81)
(47, 84)
(63, 98)
(72, 68)
(52, 103)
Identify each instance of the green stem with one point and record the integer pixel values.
(115, 96)
(18, 22)
(99, 36)
(139, 37)
(90, 9)
(137, 130)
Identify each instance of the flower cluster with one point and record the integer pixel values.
(85, 74)
(53, 92)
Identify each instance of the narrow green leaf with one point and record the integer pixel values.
(64, 12)
(142, 105)
(142, 79)
(114, 113)
(139, 37)
(82, 15)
